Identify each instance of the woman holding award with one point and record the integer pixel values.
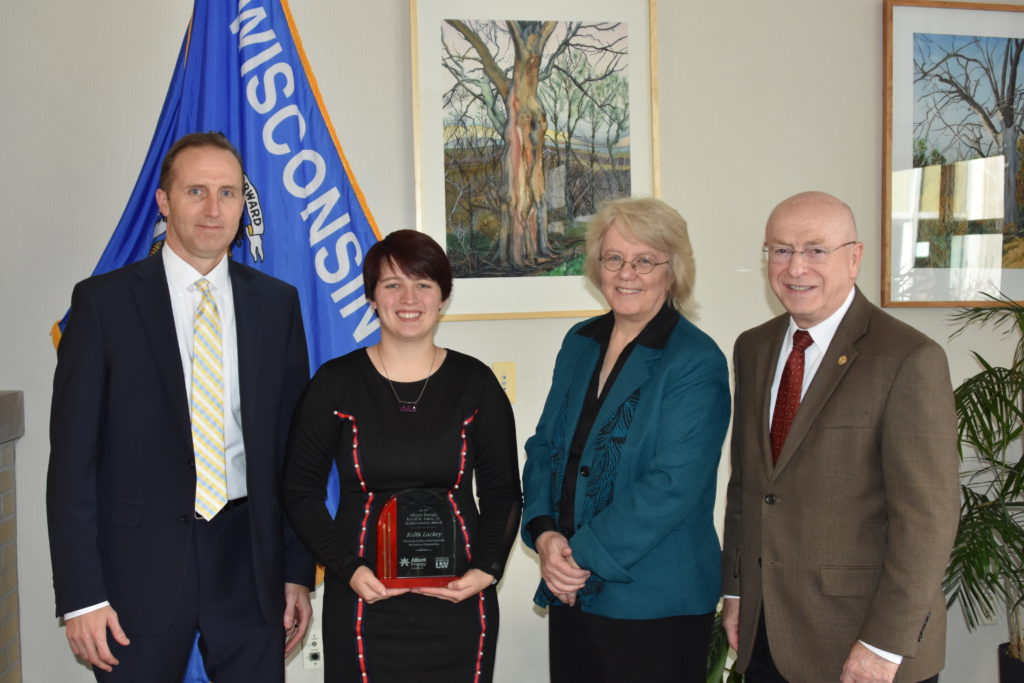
(411, 563)
(620, 474)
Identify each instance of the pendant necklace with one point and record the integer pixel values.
(407, 406)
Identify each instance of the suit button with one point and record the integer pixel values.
(185, 517)
(585, 471)
(191, 464)
(770, 499)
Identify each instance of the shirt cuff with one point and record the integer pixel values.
(730, 597)
(888, 656)
(86, 610)
(539, 525)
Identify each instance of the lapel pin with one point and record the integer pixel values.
(842, 360)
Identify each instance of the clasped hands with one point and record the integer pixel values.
(367, 586)
(558, 568)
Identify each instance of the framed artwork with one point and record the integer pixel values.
(953, 184)
(527, 116)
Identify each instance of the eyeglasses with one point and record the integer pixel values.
(780, 255)
(641, 264)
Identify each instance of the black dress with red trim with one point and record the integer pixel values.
(460, 436)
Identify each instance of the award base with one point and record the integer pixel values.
(420, 582)
(416, 541)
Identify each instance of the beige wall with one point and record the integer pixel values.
(758, 100)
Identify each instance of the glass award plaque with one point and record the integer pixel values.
(416, 540)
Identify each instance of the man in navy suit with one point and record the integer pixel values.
(138, 567)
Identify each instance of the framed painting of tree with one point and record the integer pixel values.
(953, 182)
(528, 115)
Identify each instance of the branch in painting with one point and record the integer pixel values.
(536, 118)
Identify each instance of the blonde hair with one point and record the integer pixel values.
(657, 225)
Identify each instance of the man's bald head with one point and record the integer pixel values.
(814, 255)
(817, 206)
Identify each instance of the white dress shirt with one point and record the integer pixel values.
(821, 337)
(185, 297)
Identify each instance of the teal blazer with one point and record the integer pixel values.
(644, 513)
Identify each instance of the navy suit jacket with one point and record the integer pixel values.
(644, 507)
(121, 481)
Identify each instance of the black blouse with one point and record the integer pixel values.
(462, 429)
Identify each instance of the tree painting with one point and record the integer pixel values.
(968, 96)
(536, 136)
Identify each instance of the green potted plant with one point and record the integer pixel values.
(986, 568)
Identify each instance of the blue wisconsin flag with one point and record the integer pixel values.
(242, 71)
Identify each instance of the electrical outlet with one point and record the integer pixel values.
(505, 371)
(313, 651)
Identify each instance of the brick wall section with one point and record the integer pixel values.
(12, 427)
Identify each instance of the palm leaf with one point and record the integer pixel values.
(986, 567)
(988, 410)
(1006, 316)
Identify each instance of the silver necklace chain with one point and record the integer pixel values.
(407, 406)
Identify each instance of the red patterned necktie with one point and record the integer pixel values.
(788, 399)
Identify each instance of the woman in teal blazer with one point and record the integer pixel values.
(620, 475)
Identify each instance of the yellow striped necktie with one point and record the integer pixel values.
(208, 406)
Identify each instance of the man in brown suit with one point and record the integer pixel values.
(844, 497)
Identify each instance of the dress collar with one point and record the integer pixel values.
(182, 276)
(654, 335)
